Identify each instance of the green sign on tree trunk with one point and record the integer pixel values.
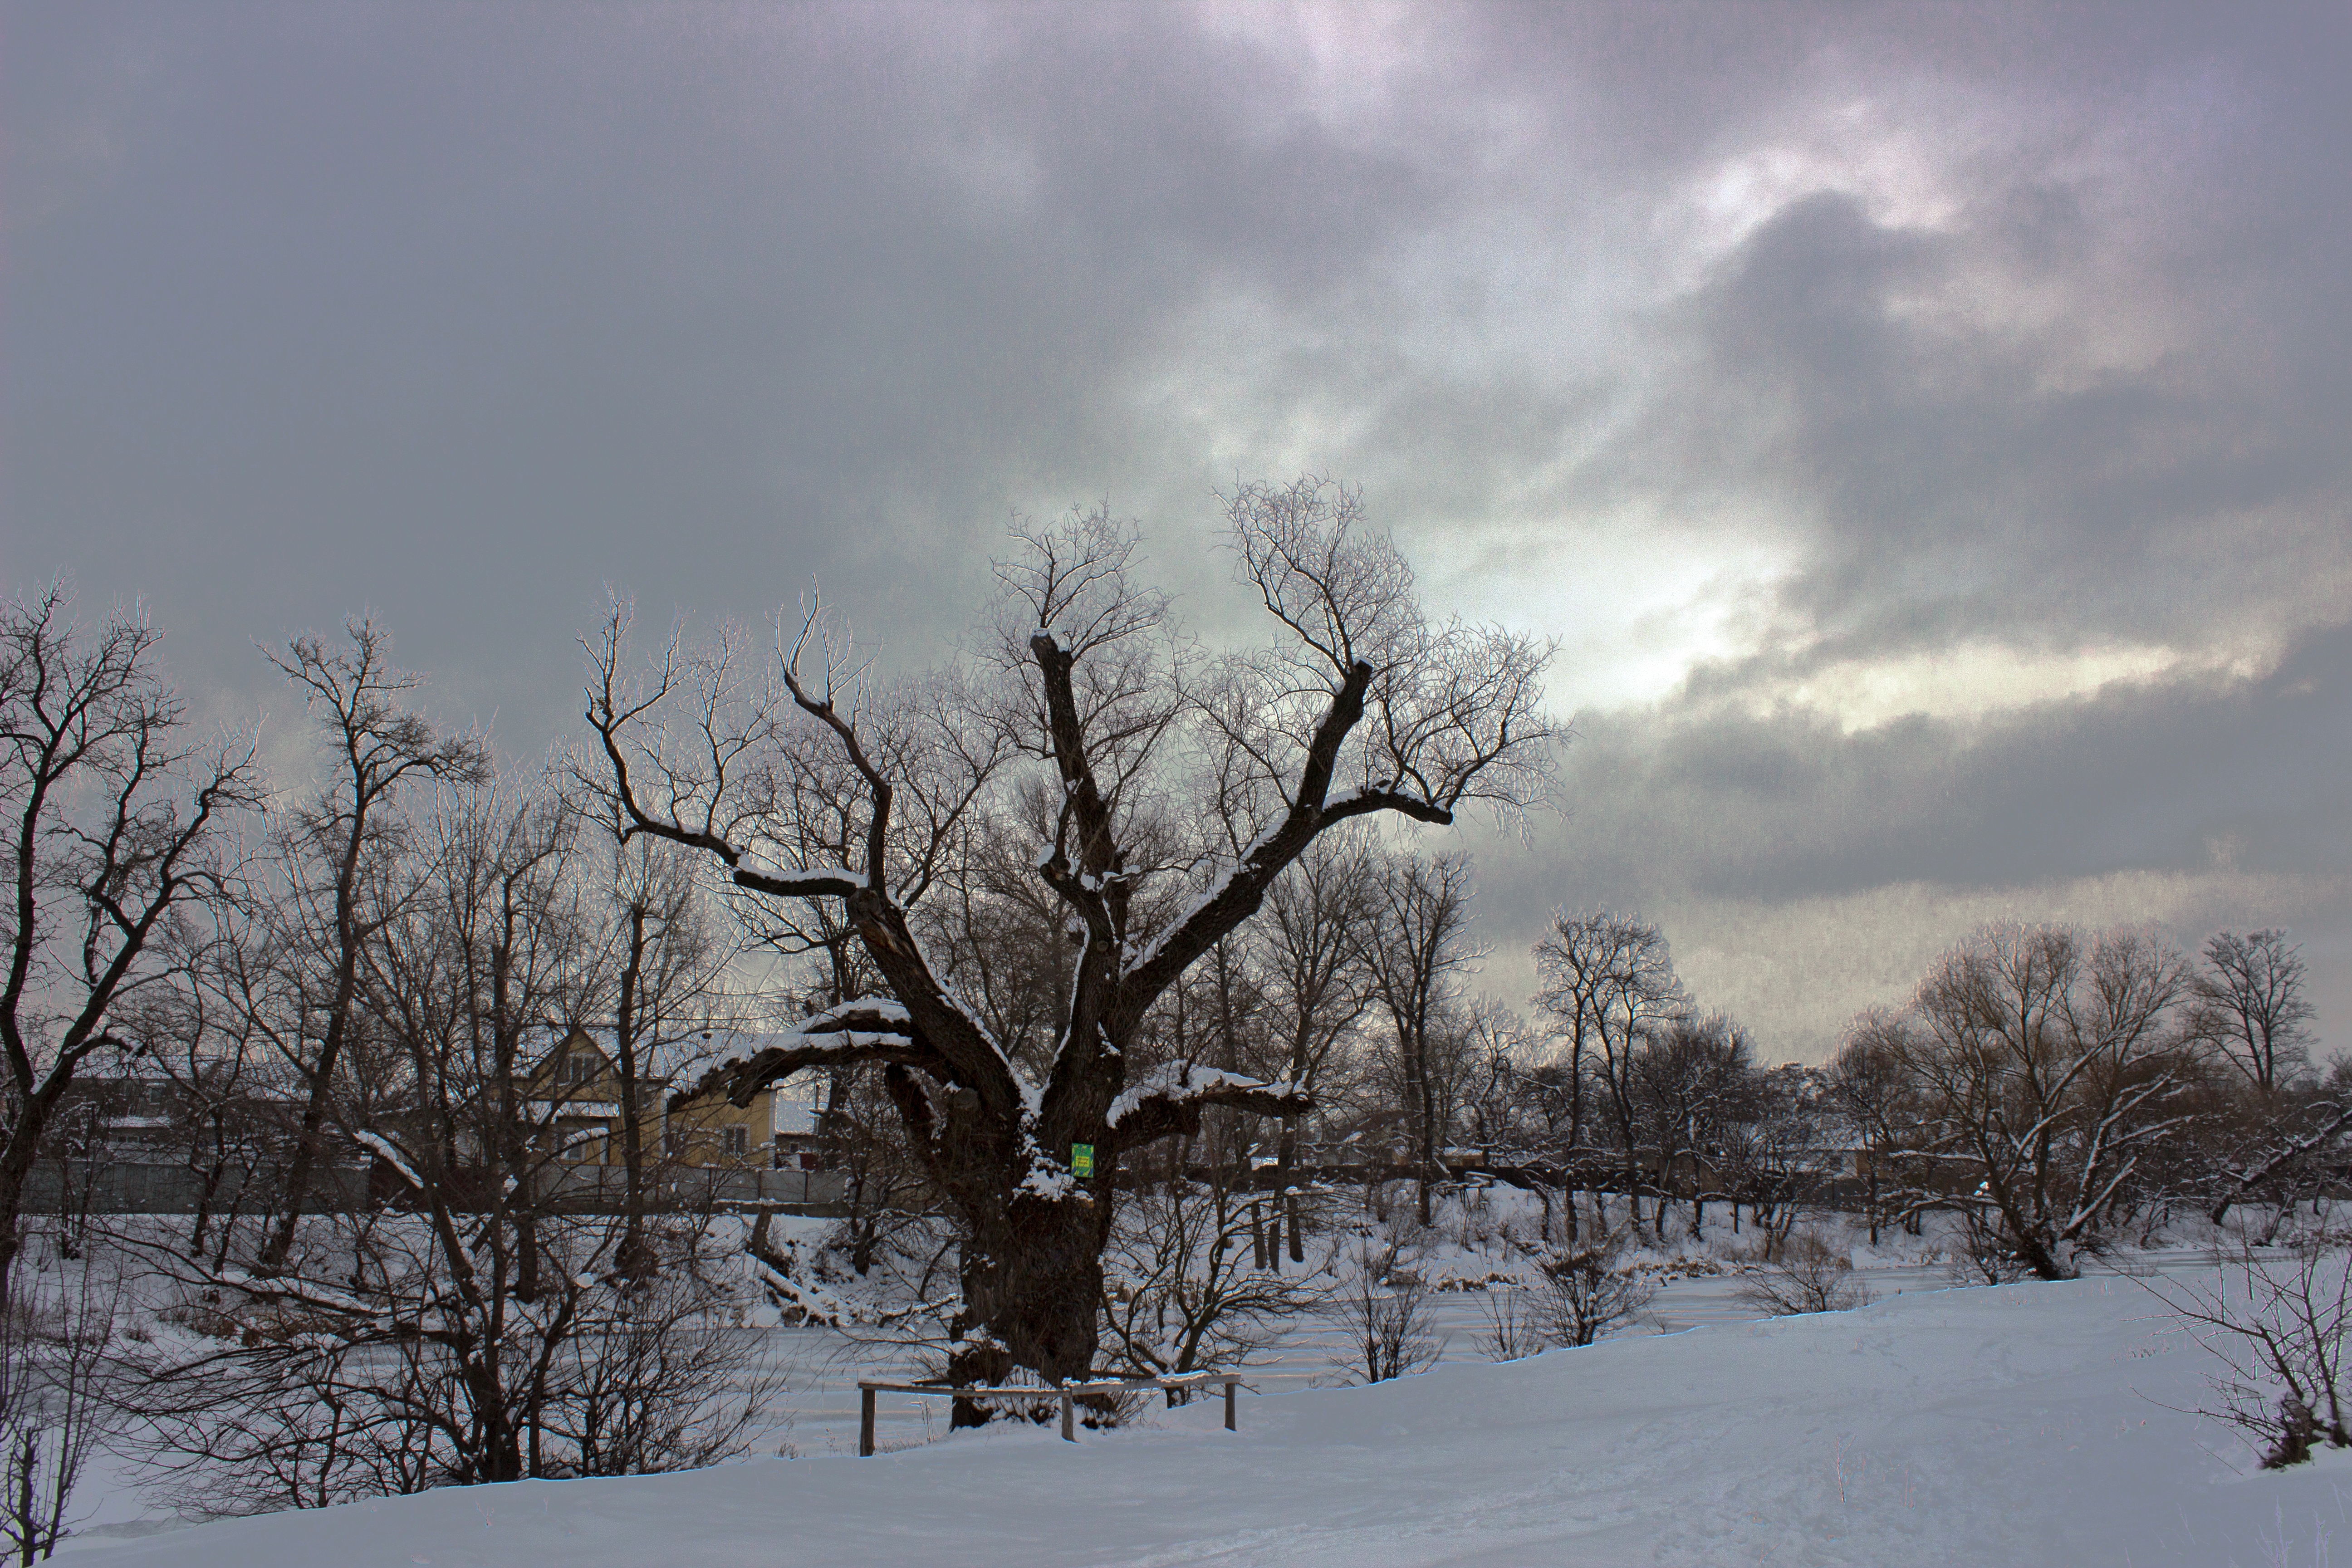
(1082, 1159)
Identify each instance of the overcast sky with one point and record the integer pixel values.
(1925, 430)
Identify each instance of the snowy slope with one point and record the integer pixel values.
(2019, 1426)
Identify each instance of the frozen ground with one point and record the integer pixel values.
(2026, 1424)
(822, 1371)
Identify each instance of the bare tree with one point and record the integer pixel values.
(2046, 1070)
(328, 849)
(665, 969)
(476, 1328)
(885, 1195)
(1318, 986)
(1420, 946)
(2248, 1003)
(117, 825)
(57, 1401)
(2274, 1148)
(1494, 1052)
(1690, 1078)
(1872, 1091)
(1770, 1152)
(200, 1035)
(1574, 966)
(1364, 708)
(1620, 968)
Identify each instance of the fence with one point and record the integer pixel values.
(122, 1186)
(600, 1188)
(1069, 1394)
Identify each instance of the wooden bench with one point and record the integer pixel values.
(1067, 1393)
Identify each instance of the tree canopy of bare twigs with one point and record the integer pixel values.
(2047, 1064)
(2248, 1002)
(1418, 946)
(331, 848)
(1606, 980)
(1168, 793)
(471, 1320)
(119, 822)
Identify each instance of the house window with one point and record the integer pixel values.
(580, 1067)
(738, 1139)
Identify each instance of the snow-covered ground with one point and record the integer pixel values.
(2024, 1424)
(821, 1370)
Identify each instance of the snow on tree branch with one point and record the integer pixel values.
(384, 1150)
(1182, 1084)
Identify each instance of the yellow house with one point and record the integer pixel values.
(710, 1131)
(575, 1093)
(779, 1130)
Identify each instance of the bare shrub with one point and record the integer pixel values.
(1585, 1291)
(1513, 1331)
(1181, 1293)
(1982, 1254)
(2277, 1325)
(1386, 1312)
(1804, 1274)
(54, 1399)
(382, 1368)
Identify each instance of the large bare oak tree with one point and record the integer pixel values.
(1362, 706)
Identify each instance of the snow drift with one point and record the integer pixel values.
(2025, 1425)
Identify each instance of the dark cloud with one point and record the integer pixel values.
(1956, 359)
(465, 313)
(1990, 484)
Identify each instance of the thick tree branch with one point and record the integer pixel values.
(1243, 888)
(866, 1031)
(1146, 1118)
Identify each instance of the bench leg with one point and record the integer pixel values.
(1229, 1404)
(864, 1423)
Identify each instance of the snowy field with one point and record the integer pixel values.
(822, 1371)
(2024, 1424)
